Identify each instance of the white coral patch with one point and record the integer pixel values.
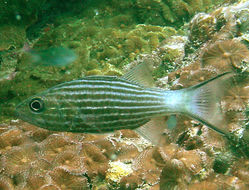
(118, 170)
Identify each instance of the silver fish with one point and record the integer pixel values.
(98, 104)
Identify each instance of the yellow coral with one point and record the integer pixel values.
(118, 170)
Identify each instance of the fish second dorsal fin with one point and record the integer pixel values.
(141, 74)
(153, 130)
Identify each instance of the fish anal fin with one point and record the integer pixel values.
(141, 74)
(153, 130)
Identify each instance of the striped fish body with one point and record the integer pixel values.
(95, 104)
(98, 104)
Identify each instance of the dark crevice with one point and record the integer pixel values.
(88, 180)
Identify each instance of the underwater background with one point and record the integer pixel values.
(44, 43)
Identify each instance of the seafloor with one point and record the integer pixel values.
(189, 42)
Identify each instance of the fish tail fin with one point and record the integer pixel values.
(204, 100)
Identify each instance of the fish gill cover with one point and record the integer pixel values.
(109, 37)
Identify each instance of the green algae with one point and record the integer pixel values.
(11, 36)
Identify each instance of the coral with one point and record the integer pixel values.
(202, 28)
(196, 76)
(140, 172)
(56, 144)
(127, 145)
(41, 164)
(173, 176)
(243, 20)
(65, 180)
(38, 134)
(152, 8)
(70, 161)
(212, 142)
(192, 160)
(222, 24)
(49, 187)
(146, 167)
(225, 56)
(131, 181)
(107, 147)
(6, 183)
(94, 160)
(19, 159)
(117, 171)
(226, 182)
(222, 162)
(164, 154)
(35, 181)
(11, 138)
(168, 12)
(203, 185)
(39, 167)
(240, 169)
(236, 98)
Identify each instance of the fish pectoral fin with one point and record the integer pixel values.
(153, 130)
(141, 74)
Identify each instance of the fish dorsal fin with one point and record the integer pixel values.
(153, 130)
(141, 74)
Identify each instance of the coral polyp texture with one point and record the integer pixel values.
(109, 38)
(226, 55)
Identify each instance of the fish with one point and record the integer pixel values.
(103, 104)
(53, 56)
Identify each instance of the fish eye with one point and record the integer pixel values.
(36, 105)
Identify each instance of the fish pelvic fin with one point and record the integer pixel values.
(203, 102)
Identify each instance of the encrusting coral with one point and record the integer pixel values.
(117, 171)
(19, 159)
(35, 181)
(6, 183)
(225, 55)
(66, 180)
(56, 144)
(10, 138)
(94, 160)
(70, 161)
